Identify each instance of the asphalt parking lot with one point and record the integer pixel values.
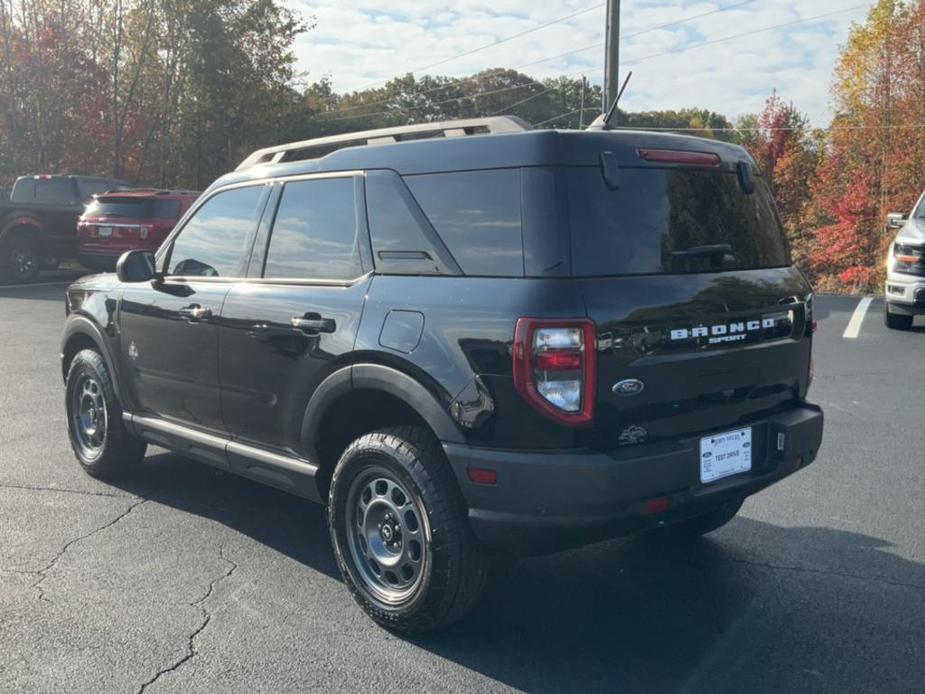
(183, 579)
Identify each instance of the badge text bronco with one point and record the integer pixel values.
(725, 332)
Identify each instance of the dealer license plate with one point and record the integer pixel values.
(725, 454)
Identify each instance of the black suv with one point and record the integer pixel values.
(465, 338)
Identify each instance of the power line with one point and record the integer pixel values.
(638, 33)
(496, 43)
(543, 60)
(580, 72)
(561, 115)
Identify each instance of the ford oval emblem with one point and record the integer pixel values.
(631, 386)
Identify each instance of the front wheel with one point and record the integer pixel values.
(896, 321)
(400, 533)
(101, 443)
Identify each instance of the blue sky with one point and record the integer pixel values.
(359, 43)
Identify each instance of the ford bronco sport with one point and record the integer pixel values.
(465, 338)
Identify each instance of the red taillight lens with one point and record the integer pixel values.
(678, 156)
(555, 368)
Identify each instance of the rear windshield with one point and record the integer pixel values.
(671, 221)
(136, 208)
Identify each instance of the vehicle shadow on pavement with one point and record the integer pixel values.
(754, 607)
(286, 523)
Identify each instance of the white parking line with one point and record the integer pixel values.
(38, 284)
(854, 325)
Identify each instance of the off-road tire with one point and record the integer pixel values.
(118, 451)
(896, 321)
(454, 577)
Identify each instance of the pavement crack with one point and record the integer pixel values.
(191, 651)
(823, 572)
(33, 488)
(43, 573)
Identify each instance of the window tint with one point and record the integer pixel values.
(214, 242)
(24, 190)
(315, 232)
(477, 214)
(134, 207)
(56, 190)
(671, 221)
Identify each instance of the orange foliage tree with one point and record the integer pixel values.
(874, 160)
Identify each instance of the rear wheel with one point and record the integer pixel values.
(896, 321)
(100, 442)
(20, 259)
(400, 533)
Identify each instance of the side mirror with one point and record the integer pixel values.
(896, 220)
(137, 266)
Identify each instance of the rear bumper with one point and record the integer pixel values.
(544, 502)
(99, 261)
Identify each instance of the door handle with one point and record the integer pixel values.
(313, 323)
(195, 313)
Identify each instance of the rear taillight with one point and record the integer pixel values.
(555, 368)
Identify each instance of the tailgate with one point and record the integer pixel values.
(680, 354)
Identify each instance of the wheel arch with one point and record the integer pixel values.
(81, 333)
(363, 397)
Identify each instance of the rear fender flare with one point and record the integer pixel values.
(381, 378)
(11, 224)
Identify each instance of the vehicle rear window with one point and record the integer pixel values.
(477, 214)
(138, 208)
(54, 190)
(671, 221)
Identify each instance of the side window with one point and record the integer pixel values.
(477, 214)
(55, 190)
(215, 241)
(314, 235)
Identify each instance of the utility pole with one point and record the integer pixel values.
(581, 116)
(612, 54)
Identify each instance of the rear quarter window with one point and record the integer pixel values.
(478, 216)
(671, 221)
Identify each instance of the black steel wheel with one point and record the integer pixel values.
(100, 442)
(20, 260)
(400, 532)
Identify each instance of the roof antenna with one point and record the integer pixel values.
(602, 122)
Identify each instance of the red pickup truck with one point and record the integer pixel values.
(139, 219)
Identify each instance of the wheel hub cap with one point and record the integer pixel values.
(386, 536)
(89, 417)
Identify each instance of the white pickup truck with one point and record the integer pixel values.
(905, 269)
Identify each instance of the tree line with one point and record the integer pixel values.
(177, 92)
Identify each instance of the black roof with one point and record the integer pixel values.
(530, 148)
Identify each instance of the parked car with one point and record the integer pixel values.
(481, 339)
(115, 222)
(38, 224)
(905, 276)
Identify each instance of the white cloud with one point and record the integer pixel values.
(359, 43)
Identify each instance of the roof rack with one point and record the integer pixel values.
(321, 146)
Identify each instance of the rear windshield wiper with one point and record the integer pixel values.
(704, 251)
